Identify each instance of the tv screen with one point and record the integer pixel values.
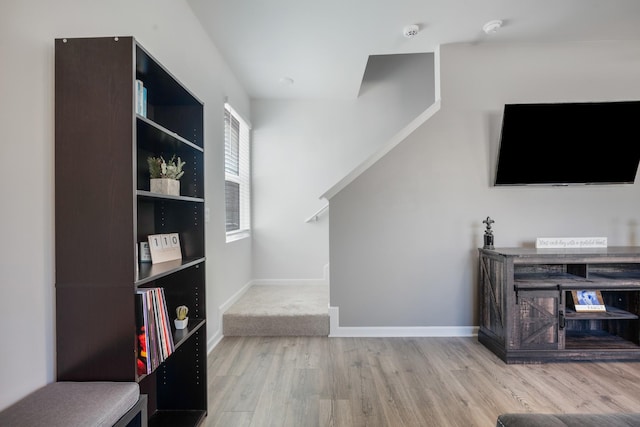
(569, 143)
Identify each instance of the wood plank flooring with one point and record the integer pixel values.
(320, 381)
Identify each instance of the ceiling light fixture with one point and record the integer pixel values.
(410, 31)
(286, 81)
(492, 26)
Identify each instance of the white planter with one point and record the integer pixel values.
(167, 186)
(181, 324)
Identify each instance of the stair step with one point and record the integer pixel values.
(279, 310)
(272, 326)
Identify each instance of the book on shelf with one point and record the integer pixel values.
(165, 338)
(165, 322)
(157, 326)
(142, 340)
(146, 334)
(141, 99)
(154, 335)
(144, 252)
(588, 301)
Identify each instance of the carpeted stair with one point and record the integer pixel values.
(279, 310)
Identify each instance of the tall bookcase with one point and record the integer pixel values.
(104, 209)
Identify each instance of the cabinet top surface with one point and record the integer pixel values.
(580, 252)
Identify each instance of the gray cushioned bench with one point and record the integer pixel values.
(568, 420)
(81, 404)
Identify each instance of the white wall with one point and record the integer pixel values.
(172, 34)
(302, 148)
(404, 235)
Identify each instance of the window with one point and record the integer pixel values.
(237, 166)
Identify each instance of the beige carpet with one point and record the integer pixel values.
(279, 310)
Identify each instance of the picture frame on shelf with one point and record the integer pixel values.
(588, 301)
(144, 252)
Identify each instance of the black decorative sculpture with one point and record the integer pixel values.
(488, 234)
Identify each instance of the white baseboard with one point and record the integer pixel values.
(335, 330)
(234, 298)
(214, 340)
(323, 281)
(295, 282)
(217, 336)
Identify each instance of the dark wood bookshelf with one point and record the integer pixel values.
(104, 209)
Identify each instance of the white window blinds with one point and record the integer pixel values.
(237, 166)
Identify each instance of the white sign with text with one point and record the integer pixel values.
(570, 242)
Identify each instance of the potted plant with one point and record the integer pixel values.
(181, 319)
(165, 176)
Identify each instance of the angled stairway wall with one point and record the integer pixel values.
(302, 148)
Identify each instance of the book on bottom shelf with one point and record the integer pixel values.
(588, 301)
(143, 363)
(154, 336)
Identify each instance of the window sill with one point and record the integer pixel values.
(232, 236)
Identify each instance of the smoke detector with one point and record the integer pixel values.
(410, 31)
(492, 26)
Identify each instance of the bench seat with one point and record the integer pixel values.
(70, 404)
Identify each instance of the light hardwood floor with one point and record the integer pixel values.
(320, 381)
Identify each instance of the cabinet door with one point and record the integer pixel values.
(537, 318)
(493, 278)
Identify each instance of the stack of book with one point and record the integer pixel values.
(155, 340)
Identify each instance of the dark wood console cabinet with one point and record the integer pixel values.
(526, 309)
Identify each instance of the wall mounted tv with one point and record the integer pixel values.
(569, 143)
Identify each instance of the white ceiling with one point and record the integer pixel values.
(323, 45)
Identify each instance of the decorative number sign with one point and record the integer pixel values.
(164, 247)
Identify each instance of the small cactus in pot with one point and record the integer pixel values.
(181, 319)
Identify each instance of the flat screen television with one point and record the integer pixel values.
(569, 143)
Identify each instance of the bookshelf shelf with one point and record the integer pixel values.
(161, 135)
(611, 313)
(149, 272)
(149, 195)
(175, 418)
(104, 209)
(181, 335)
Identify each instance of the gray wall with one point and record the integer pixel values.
(169, 30)
(302, 148)
(404, 235)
